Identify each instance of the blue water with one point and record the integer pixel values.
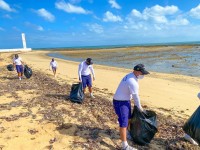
(174, 60)
(197, 43)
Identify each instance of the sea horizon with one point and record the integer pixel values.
(193, 43)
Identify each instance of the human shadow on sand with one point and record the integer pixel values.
(59, 96)
(9, 78)
(93, 135)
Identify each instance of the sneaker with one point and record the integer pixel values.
(129, 148)
(20, 78)
(91, 96)
(128, 135)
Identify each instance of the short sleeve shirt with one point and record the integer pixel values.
(17, 61)
(128, 86)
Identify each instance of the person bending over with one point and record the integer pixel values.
(84, 72)
(128, 89)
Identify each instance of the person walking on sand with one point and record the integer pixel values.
(17, 62)
(84, 72)
(128, 89)
(53, 66)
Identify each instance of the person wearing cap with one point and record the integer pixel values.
(17, 62)
(128, 89)
(53, 66)
(84, 72)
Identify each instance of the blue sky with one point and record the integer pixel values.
(71, 23)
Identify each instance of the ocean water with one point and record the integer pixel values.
(164, 59)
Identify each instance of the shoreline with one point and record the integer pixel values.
(172, 60)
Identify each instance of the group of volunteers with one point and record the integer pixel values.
(128, 89)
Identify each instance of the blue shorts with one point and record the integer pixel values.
(19, 68)
(86, 81)
(53, 68)
(123, 111)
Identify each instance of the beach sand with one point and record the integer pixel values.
(36, 115)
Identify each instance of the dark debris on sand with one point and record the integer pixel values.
(52, 94)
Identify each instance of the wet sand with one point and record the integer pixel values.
(36, 113)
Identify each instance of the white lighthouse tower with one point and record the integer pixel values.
(23, 40)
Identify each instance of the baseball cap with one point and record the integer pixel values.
(141, 68)
(89, 61)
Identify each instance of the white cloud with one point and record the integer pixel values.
(33, 26)
(159, 10)
(2, 29)
(136, 13)
(156, 17)
(109, 17)
(179, 22)
(114, 4)
(95, 28)
(45, 14)
(5, 6)
(195, 12)
(74, 1)
(157, 14)
(69, 8)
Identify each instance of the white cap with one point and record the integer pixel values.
(198, 95)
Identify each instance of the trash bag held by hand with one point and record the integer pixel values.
(143, 126)
(10, 67)
(192, 126)
(76, 94)
(27, 71)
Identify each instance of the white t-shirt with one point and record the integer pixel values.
(53, 64)
(17, 61)
(127, 87)
(85, 69)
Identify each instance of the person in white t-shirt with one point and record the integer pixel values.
(128, 89)
(53, 66)
(84, 72)
(17, 62)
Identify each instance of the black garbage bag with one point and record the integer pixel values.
(76, 94)
(143, 126)
(27, 71)
(10, 67)
(192, 126)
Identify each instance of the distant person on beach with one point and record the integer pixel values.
(17, 62)
(128, 89)
(53, 66)
(84, 71)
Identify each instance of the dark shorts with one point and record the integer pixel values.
(86, 81)
(54, 68)
(123, 111)
(19, 68)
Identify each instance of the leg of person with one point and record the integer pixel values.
(84, 83)
(18, 71)
(128, 135)
(53, 69)
(22, 70)
(89, 84)
(19, 75)
(122, 109)
(54, 72)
